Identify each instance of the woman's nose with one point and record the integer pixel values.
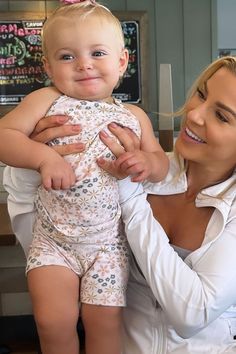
(197, 114)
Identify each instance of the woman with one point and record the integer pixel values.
(182, 231)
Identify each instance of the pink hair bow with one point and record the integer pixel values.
(75, 1)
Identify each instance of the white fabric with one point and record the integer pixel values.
(22, 185)
(189, 306)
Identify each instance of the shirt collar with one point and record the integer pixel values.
(176, 182)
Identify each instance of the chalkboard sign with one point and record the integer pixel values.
(21, 69)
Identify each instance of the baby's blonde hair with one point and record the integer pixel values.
(81, 11)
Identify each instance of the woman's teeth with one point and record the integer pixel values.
(193, 136)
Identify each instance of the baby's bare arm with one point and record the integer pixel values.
(150, 161)
(17, 149)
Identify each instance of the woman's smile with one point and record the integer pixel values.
(193, 136)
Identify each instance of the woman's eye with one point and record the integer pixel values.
(66, 57)
(221, 117)
(201, 94)
(98, 53)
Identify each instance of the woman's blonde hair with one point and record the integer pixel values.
(228, 62)
(81, 11)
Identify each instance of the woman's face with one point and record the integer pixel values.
(208, 135)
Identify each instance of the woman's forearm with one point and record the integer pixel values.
(21, 185)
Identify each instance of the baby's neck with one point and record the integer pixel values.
(108, 100)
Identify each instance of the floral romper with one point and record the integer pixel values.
(81, 228)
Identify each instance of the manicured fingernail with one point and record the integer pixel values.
(101, 161)
(76, 128)
(79, 146)
(63, 119)
(103, 134)
(113, 125)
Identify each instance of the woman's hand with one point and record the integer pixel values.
(52, 127)
(127, 151)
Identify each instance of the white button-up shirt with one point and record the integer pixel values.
(178, 306)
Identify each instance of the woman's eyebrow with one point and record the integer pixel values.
(222, 105)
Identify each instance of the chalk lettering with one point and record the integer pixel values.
(8, 61)
(18, 31)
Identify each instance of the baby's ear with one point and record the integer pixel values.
(124, 59)
(47, 67)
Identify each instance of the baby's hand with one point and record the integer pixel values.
(136, 164)
(56, 173)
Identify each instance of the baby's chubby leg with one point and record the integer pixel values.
(54, 291)
(103, 327)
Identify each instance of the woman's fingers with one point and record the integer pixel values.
(111, 143)
(127, 138)
(134, 138)
(52, 127)
(49, 122)
(55, 132)
(69, 149)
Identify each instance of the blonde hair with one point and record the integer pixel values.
(228, 62)
(81, 11)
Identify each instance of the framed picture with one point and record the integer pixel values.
(21, 69)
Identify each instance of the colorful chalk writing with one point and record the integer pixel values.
(21, 68)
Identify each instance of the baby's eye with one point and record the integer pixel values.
(201, 94)
(66, 57)
(98, 53)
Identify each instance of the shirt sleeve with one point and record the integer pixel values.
(128, 189)
(192, 294)
(21, 185)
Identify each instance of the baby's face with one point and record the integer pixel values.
(84, 58)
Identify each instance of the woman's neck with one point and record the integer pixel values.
(200, 177)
